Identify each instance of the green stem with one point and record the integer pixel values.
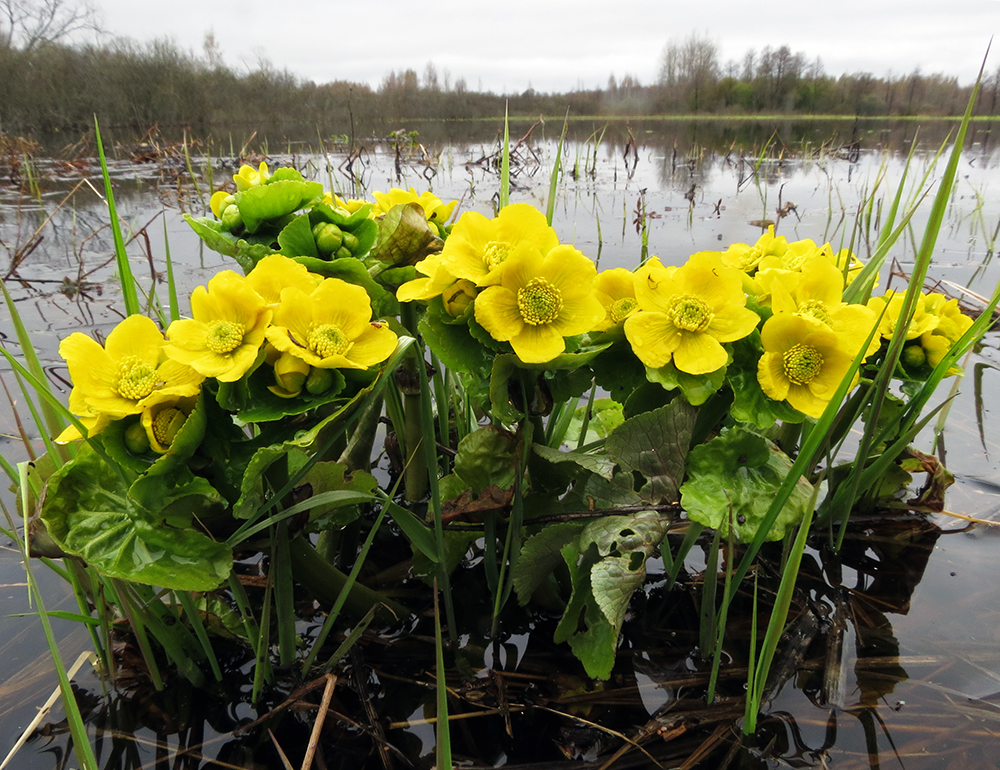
(325, 582)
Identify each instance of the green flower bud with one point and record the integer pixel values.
(319, 381)
(232, 220)
(351, 242)
(913, 356)
(328, 237)
(342, 253)
(136, 439)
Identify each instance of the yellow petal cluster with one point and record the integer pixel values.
(540, 300)
(124, 376)
(226, 330)
(804, 361)
(249, 176)
(686, 314)
(436, 211)
(331, 327)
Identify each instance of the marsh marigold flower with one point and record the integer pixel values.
(615, 290)
(249, 176)
(226, 331)
(804, 361)
(816, 292)
(330, 328)
(164, 419)
(540, 300)
(276, 272)
(125, 376)
(745, 257)
(436, 211)
(686, 314)
(477, 247)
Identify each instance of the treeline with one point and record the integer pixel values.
(56, 87)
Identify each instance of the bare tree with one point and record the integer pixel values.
(28, 24)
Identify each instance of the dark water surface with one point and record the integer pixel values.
(914, 603)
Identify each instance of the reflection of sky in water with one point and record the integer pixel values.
(948, 636)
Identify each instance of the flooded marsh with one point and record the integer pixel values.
(891, 658)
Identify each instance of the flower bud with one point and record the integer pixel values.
(290, 373)
(351, 242)
(232, 220)
(136, 439)
(913, 356)
(328, 237)
(319, 381)
(458, 297)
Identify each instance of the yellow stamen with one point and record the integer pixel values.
(328, 340)
(690, 314)
(136, 380)
(166, 424)
(802, 363)
(816, 309)
(539, 302)
(496, 254)
(224, 336)
(621, 308)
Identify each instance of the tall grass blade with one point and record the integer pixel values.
(129, 294)
(550, 205)
(442, 748)
(505, 162)
(81, 742)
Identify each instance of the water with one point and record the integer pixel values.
(918, 602)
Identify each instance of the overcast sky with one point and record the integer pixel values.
(560, 45)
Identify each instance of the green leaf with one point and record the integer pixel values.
(452, 342)
(540, 554)
(655, 444)
(595, 463)
(404, 237)
(274, 200)
(296, 238)
(326, 477)
(89, 514)
(605, 416)
(211, 232)
(696, 387)
(618, 371)
(487, 456)
(737, 475)
(324, 212)
(262, 405)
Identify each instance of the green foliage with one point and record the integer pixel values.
(733, 479)
(89, 513)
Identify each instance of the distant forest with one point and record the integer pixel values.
(50, 86)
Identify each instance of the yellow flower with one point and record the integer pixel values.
(436, 281)
(276, 272)
(816, 292)
(687, 314)
(226, 331)
(164, 419)
(477, 247)
(347, 205)
(803, 362)
(744, 257)
(540, 300)
(795, 254)
(330, 328)
(436, 211)
(846, 262)
(249, 177)
(615, 290)
(952, 324)
(892, 304)
(126, 375)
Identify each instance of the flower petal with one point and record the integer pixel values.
(497, 312)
